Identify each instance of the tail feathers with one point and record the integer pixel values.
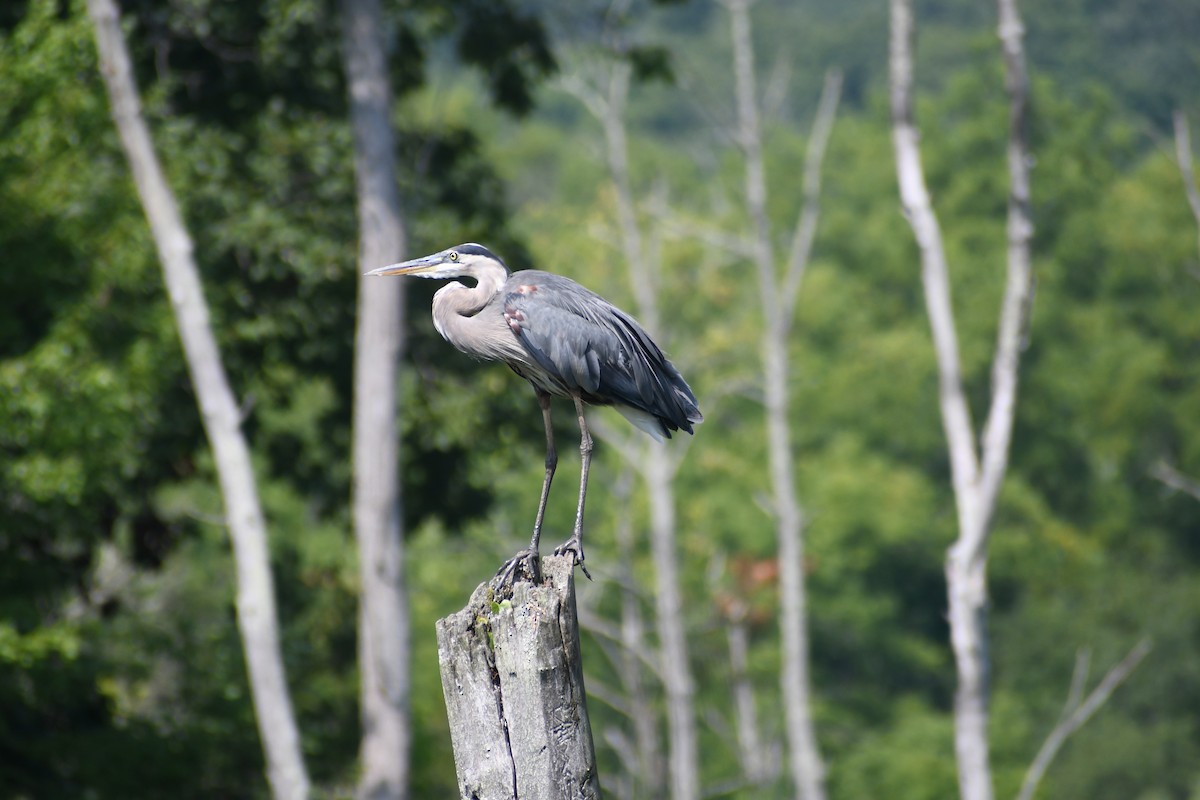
(670, 412)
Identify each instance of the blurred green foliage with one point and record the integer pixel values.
(120, 669)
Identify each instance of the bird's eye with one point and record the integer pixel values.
(453, 256)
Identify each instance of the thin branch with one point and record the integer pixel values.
(750, 140)
(1172, 477)
(624, 444)
(1075, 717)
(595, 624)
(1083, 665)
(914, 198)
(806, 226)
(608, 695)
(573, 84)
(1183, 155)
(997, 430)
(804, 756)
(733, 244)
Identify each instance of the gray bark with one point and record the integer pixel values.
(977, 468)
(778, 298)
(658, 473)
(383, 603)
(256, 612)
(512, 675)
(654, 463)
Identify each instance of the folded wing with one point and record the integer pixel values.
(585, 344)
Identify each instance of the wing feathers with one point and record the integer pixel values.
(585, 344)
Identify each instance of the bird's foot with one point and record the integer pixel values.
(574, 546)
(525, 565)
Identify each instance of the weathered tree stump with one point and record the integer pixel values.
(513, 680)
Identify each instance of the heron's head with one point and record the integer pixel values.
(465, 260)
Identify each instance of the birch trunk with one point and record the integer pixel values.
(778, 298)
(256, 614)
(383, 606)
(977, 469)
(655, 463)
(658, 473)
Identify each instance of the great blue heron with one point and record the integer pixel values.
(565, 340)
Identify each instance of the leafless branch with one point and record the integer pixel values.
(997, 430)
(804, 757)
(777, 84)
(677, 226)
(914, 198)
(1183, 155)
(1177, 480)
(1075, 715)
(608, 695)
(965, 576)
(1079, 676)
(598, 626)
(624, 444)
(977, 471)
(573, 83)
(806, 226)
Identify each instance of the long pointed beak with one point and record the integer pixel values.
(413, 267)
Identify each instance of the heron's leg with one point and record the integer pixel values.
(551, 464)
(574, 545)
(530, 554)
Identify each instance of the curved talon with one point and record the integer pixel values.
(574, 546)
(510, 570)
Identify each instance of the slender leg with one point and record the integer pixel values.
(529, 555)
(574, 545)
(551, 464)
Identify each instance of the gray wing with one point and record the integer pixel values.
(587, 345)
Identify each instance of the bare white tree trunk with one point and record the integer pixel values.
(778, 298)
(256, 612)
(977, 469)
(383, 605)
(658, 472)
(655, 463)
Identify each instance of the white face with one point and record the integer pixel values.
(451, 263)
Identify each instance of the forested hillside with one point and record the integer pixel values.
(121, 670)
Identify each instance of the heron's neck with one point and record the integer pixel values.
(459, 300)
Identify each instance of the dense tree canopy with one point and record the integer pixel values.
(120, 668)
